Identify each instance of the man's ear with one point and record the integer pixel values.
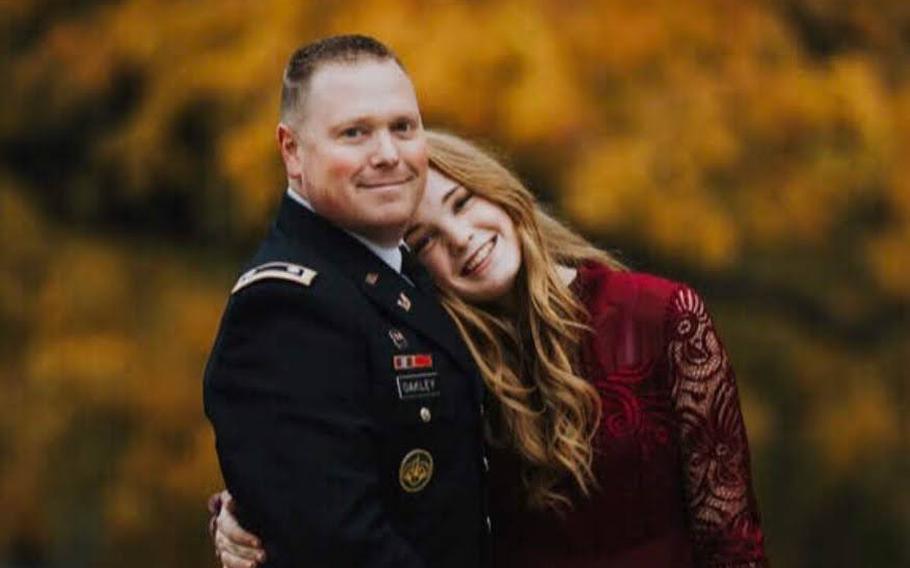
(289, 146)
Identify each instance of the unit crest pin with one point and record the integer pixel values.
(398, 339)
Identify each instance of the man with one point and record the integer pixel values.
(345, 406)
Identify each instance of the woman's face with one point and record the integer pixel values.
(467, 243)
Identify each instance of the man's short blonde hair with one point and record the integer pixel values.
(335, 49)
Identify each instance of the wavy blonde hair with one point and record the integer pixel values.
(544, 409)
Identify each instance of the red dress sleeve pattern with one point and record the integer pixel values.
(722, 510)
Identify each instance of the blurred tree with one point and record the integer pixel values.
(760, 150)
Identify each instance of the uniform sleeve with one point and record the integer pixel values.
(722, 510)
(287, 391)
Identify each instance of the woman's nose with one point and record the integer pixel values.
(459, 236)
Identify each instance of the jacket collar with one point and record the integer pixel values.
(415, 306)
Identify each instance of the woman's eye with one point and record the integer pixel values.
(421, 244)
(460, 203)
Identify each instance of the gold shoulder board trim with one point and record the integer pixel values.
(276, 271)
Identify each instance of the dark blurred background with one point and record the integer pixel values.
(759, 150)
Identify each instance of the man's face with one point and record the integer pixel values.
(360, 155)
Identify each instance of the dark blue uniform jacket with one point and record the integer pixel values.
(346, 408)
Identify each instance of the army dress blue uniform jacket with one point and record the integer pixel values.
(346, 408)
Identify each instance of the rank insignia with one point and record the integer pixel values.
(410, 362)
(276, 271)
(404, 302)
(398, 338)
(416, 470)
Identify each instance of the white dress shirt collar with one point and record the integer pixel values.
(389, 255)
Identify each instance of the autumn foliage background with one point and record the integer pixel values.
(759, 150)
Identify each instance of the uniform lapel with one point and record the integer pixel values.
(419, 311)
(415, 306)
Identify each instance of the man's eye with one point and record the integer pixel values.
(403, 126)
(353, 132)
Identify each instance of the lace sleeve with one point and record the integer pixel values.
(721, 506)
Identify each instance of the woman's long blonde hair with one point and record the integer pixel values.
(544, 410)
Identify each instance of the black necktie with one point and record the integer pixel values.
(415, 271)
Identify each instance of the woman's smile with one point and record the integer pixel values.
(480, 260)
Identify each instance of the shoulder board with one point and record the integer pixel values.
(276, 271)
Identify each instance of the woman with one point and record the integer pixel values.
(615, 427)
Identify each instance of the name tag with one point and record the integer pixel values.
(419, 385)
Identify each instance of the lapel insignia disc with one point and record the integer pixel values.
(409, 362)
(372, 278)
(404, 302)
(398, 338)
(416, 470)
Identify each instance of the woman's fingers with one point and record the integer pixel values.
(215, 501)
(228, 560)
(227, 523)
(231, 553)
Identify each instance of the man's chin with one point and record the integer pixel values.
(385, 224)
(401, 205)
(390, 191)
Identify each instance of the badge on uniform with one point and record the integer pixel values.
(417, 385)
(412, 362)
(398, 338)
(276, 271)
(416, 470)
(404, 302)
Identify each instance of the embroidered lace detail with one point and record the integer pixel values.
(721, 505)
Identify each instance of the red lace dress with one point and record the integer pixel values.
(672, 460)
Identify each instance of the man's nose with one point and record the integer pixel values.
(386, 151)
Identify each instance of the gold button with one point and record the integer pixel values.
(425, 414)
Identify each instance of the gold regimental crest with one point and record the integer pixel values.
(416, 470)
